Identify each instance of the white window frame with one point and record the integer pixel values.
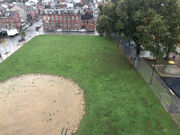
(77, 18)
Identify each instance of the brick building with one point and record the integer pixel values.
(10, 20)
(67, 20)
(23, 11)
(90, 11)
(33, 13)
(40, 8)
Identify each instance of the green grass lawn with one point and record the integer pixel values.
(118, 101)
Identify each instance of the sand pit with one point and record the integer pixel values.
(38, 104)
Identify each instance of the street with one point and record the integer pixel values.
(13, 44)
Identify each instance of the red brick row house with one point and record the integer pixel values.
(40, 8)
(10, 20)
(66, 21)
(88, 24)
(33, 13)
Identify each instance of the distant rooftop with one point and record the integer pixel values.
(7, 14)
(64, 11)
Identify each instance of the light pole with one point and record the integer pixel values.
(155, 53)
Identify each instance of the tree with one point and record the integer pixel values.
(138, 20)
(131, 16)
(107, 19)
(103, 25)
(170, 11)
(151, 31)
(22, 34)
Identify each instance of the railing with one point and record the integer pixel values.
(165, 95)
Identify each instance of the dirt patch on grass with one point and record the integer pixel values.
(158, 124)
(143, 99)
(40, 105)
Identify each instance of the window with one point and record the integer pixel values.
(57, 25)
(44, 18)
(53, 24)
(44, 24)
(77, 18)
(61, 18)
(83, 27)
(73, 18)
(64, 18)
(48, 18)
(52, 17)
(56, 17)
(68, 17)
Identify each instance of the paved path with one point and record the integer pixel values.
(14, 45)
(170, 70)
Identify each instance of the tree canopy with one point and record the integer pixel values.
(153, 25)
(22, 34)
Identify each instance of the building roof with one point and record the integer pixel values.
(4, 5)
(7, 14)
(63, 11)
(22, 6)
(76, 11)
(2, 8)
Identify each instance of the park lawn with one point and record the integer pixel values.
(118, 101)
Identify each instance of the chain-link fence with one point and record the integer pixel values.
(165, 95)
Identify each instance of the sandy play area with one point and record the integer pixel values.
(36, 104)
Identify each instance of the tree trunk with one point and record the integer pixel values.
(138, 50)
(136, 60)
(101, 34)
(167, 53)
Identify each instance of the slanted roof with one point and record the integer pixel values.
(8, 14)
(22, 6)
(2, 8)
